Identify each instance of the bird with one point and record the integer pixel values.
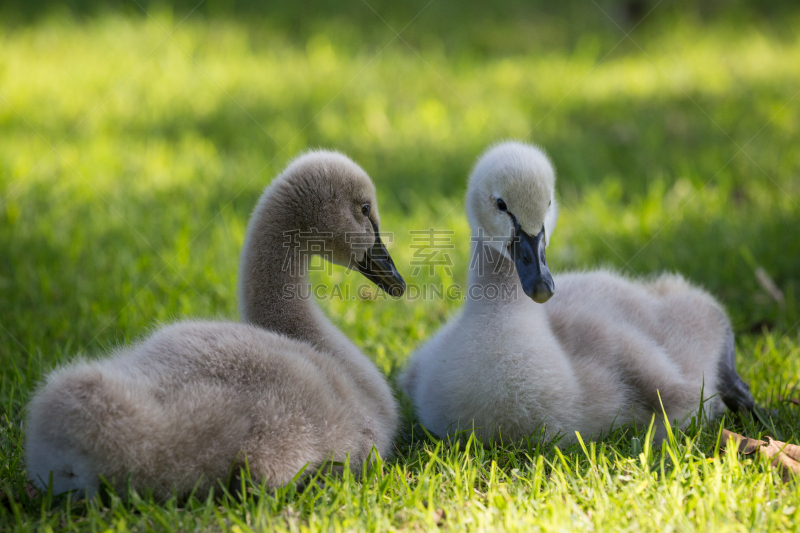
(530, 355)
(282, 394)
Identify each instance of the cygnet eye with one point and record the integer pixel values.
(501, 205)
(365, 210)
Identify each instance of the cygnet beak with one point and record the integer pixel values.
(378, 267)
(528, 255)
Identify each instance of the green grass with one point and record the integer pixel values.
(130, 158)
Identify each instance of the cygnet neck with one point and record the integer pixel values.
(274, 290)
(272, 274)
(493, 278)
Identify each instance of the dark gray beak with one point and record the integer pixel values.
(528, 255)
(378, 267)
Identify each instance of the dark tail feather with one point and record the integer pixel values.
(732, 388)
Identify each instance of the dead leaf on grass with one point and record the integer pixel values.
(440, 516)
(31, 491)
(790, 400)
(783, 456)
(770, 287)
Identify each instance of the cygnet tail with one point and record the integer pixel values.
(81, 423)
(733, 390)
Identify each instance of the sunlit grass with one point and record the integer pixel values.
(130, 158)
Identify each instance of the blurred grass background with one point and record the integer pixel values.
(135, 138)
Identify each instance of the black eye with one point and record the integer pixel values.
(501, 205)
(365, 210)
(549, 203)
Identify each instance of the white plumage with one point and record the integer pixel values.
(596, 355)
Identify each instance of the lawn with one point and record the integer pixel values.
(136, 138)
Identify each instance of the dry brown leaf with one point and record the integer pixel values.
(792, 450)
(769, 285)
(783, 456)
(790, 400)
(746, 445)
(31, 491)
(440, 516)
(780, 454)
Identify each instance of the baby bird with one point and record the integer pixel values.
(603, 351)
(190, 405)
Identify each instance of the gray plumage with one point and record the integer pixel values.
(596, 355)
(186, 407)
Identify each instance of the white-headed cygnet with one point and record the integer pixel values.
(602, 351)
(188, 406)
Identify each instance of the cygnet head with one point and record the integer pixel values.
(511, 204)
(53, 457)
(326, 205)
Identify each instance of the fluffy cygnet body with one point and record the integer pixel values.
(603, 351)
(187, 407)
